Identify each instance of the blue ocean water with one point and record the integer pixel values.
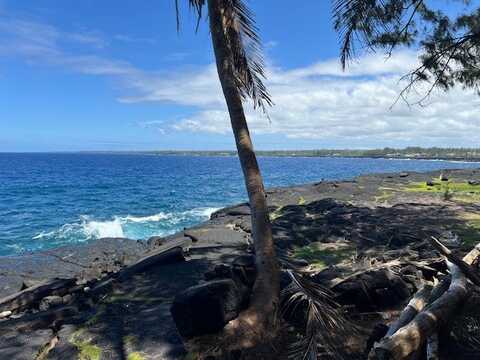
(48, 200)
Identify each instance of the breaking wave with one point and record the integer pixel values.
(133, 227)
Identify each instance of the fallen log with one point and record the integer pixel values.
(32, 295)
(473, 255)
(467, 269)
(408, 340)
(436, 298)
(415, 305)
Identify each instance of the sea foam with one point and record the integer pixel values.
(130, 226)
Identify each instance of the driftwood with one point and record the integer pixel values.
(416, 304)
(467, 269)
(410, 338)
(472, 255)
(34, 294)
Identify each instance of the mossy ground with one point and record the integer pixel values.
(87, 350)
(321, 255)
(135, 356)
(451, 190)
(276, 213)
(384, 195)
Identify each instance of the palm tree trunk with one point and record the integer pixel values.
(262, 312)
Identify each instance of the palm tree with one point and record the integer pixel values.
(240, 69)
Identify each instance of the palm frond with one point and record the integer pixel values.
(245, 47)
(325, 324)
(246, 52)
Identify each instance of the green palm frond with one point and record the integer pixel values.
(246, 50)
(245, 47)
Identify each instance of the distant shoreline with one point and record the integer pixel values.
(438, 154)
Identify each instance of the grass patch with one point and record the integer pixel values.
(276, 213)
(87, 351)
(135, 356)
(451, 190)
(322, 255)
(384, 196)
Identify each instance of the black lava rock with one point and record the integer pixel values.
(206, 308)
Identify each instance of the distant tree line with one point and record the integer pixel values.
(411, 152)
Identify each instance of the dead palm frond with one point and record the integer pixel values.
(325, 323)
(245, 47)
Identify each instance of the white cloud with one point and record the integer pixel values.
(319, 102)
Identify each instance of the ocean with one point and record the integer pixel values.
(49, 200)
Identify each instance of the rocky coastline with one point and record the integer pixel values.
(115, 296)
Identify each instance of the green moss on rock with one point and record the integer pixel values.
(322, 255)
(135, 356)
(87, 351)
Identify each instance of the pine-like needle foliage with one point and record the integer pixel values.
(449, 42)
(245, 48)
(325, 324)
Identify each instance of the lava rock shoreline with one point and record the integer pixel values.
(101, 257)
(124, 289)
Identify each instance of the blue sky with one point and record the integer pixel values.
(115, 75)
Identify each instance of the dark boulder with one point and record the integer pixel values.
(474, 182)
(206, 308)
(372, 290)
(220, 271)
(244, 269)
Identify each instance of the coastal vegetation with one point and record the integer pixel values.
(448, 43)
(412, 152)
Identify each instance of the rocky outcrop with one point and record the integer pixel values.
(206, 308)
